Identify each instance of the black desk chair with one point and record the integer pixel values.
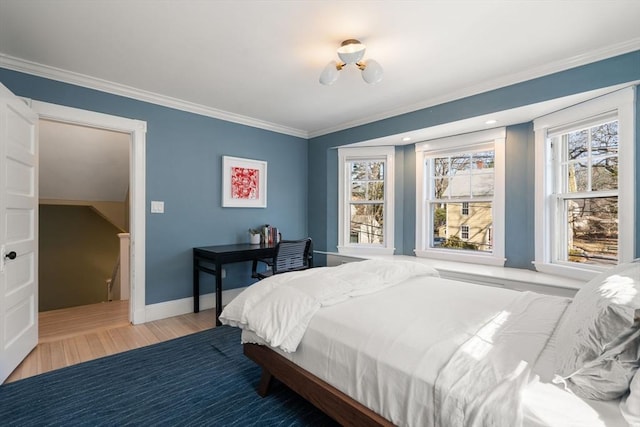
(290, 255)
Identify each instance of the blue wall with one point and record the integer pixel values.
(323, 223)
(519, 204)
(184, 160)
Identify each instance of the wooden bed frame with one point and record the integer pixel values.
(325, 397)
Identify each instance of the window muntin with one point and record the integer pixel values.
(365, 220)
(460, 189)
(589, 158)
(462, 175)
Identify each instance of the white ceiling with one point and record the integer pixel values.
(258, 62)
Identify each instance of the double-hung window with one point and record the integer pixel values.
(584, 186)
(365, 194)
(460, 198)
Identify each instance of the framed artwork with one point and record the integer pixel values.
(244, 183)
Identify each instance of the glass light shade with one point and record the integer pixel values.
(372, 73)
(329, 74)
(351, 51)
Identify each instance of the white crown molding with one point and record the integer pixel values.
(58, 74)
(503, 81)
(28, 67)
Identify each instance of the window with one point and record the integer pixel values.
(465, 208)
(460, 193)
(365, 220)
(584, 192)
(464, 232)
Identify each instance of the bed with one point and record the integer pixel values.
(392, 343)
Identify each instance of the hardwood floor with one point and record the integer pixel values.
(74, 335)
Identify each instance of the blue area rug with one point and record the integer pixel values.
(198, 380)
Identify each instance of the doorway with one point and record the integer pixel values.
(136, 132)
(83, 209)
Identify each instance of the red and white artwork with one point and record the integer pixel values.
(245, 183)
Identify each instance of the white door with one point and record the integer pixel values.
(18, 231)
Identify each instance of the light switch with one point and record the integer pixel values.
(157, 207)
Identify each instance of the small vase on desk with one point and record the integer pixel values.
(254, 239)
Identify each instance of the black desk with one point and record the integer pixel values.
(218, 255)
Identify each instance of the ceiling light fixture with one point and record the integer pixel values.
(351, 52)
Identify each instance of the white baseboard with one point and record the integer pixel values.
(178, 307)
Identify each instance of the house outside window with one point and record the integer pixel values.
(584, 193)
(460, 193)
(365, 220)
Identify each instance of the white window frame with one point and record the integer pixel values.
(346, 155)
(458, 144)
(621, 102)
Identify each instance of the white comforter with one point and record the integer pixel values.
(483, 382)
(426, 352)
(279, 308)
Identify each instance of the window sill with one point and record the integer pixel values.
(585, 274)
(365, 251)
(511, 278)
(461, 256)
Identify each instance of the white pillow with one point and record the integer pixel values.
(630, 405)
(598, 345)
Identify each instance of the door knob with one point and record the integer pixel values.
(11, 255)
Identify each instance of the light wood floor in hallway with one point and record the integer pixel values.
(78, 334)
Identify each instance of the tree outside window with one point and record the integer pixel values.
(587, 191)
(366, 204)
(365, 200)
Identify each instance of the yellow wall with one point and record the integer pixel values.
(115, 212)
(78, 250)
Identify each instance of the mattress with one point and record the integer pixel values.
(387, 349)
